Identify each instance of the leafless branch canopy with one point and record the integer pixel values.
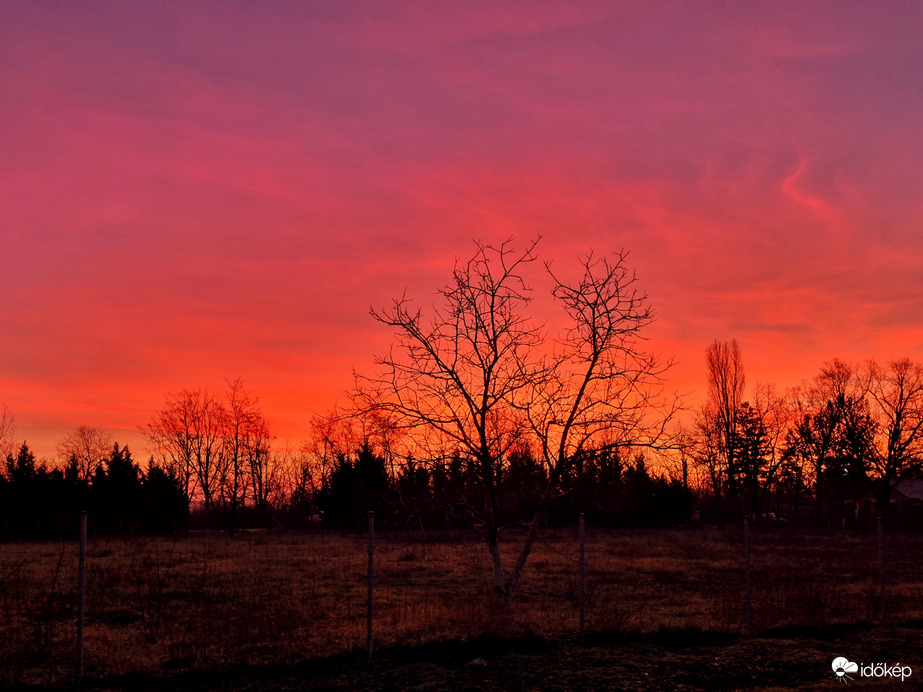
(88, 447)
(480, 375)
(600, 388)
(7, 431)
(465, 370)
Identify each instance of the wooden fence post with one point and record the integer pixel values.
(748, 578)
(371, 580)
(81, 595)
(582, 533)
(882, 574)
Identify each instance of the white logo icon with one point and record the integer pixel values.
(842, 666)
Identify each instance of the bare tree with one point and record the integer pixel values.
(188, 436)
(896, 398)
(170, 434)
(759, 447)
(336, 434)
(7, 432)
(481, 375)
(829, 429)
(299, 476)
(87, 447)
(247, 467)
(678, 460)
(287, 475)
(718, 418)
(219, 448)
(328, 439)
(250, 437)
(209, 424)
(601, 390)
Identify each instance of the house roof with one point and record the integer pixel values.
(911, 488)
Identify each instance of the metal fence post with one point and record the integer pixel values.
(582, 579)
(882, 574)
(81, 595)
(748, 578)
(371, 581)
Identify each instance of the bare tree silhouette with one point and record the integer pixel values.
(480, 375)
(88, 448)
(187, 436)
(7, 432)
(717, 422)
(895, 393)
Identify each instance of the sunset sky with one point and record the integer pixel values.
(194, 191)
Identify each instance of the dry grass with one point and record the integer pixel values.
(213, 602)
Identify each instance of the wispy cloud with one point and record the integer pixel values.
(193, 192)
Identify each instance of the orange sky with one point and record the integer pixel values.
(197, 191)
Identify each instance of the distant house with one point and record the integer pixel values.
(905, 506)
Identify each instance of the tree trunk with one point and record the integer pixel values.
(501, 594)
(505, 589)
(524, 553)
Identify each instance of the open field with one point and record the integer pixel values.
(267, 602)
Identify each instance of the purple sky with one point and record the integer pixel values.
(194, 191)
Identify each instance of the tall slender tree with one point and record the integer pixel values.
(717, 421)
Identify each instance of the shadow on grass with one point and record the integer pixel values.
(352, 668)
(795, 657)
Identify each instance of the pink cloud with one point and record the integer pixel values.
(194, 192)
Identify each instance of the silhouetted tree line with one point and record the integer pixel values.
(218, 448)
(41, 503)
(836, 451)
(443, 495)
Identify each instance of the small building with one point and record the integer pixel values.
(905, 506)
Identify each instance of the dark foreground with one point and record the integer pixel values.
(789, 659)
(665, 609)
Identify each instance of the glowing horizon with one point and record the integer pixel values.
(194, 192)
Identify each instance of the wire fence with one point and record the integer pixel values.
(156, 604)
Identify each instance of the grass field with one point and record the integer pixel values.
(256, 609)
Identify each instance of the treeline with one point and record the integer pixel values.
(609, 490)
(41, 503)
(37, 502)
(837, 450)
(841, 449)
